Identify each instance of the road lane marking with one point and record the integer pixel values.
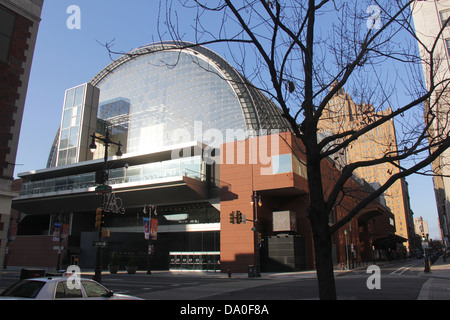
(401, 270)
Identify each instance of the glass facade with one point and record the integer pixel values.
(160, 95)
(167, 91)
(167, 88)
(70, 126)
(192, 167)
(153, 101)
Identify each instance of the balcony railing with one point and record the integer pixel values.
(150, 172)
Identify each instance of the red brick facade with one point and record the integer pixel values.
(285, 192)
(10, 73)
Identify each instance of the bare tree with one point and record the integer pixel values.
(302, 53)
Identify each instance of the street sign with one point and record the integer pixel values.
(103, 188)
(100, 244)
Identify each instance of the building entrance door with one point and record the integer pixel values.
(198, 261)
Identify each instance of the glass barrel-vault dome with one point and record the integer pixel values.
(152, 91)
(171, 86)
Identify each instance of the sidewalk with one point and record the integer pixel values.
(437, 287)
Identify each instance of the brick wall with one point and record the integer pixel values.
(10, 82)
(33, 251)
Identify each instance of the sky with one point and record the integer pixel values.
(65, 57)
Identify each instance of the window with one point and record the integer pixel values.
(63, 292)
(447, 44)
(26, 289)
(444, 17)
(94, 290)
(282, 163)
(7, 21)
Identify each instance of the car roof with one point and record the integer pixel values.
(53, 278)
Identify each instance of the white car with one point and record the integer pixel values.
(60, 288)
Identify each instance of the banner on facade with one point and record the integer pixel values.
(150, 228)
(146, 228)
(154, 229)
(57, 232)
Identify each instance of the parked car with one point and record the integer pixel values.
(57, 288)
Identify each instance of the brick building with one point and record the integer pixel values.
(19, 22)
(344, 114)
(281, 239)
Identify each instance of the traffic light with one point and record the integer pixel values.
(99, 218)
(232, 217)
(423, 236)
(238, 217)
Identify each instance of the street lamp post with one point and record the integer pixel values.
(104, 178)
(346, 248)
(256, 202)
(151, 212)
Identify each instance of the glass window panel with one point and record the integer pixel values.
(93, 289)
(117, 175)
(61, 183)
(73, 140)
(6, 22)
(26, 289)
(79, 95)
(191, 166)
(74, 120)
(69, 99)
(87, 178)
(4, 47)
(152, 170)
(64, 138)
(73, 182)
(63, 292)
(49, 185)
(67, 116)
(444, 16)
(62, 157)
(72, 156)
(282, 163)
(171, 168)
(133, 173)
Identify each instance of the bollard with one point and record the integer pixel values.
(229, 273)
(427, 266)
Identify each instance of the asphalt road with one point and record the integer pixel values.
(397, 281)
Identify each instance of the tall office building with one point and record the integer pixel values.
(429, 19)
(421, 227)
(19, 22)
(343, 114)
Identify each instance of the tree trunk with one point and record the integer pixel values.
(318, 216)
(324, 263)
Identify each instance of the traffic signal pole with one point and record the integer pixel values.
(98, 262)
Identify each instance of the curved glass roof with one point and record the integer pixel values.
(171, 92)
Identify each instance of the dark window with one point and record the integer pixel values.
(7, 21)
(94, 290)
(64, 292)
(25, 289)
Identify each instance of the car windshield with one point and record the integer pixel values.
(24, 289)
